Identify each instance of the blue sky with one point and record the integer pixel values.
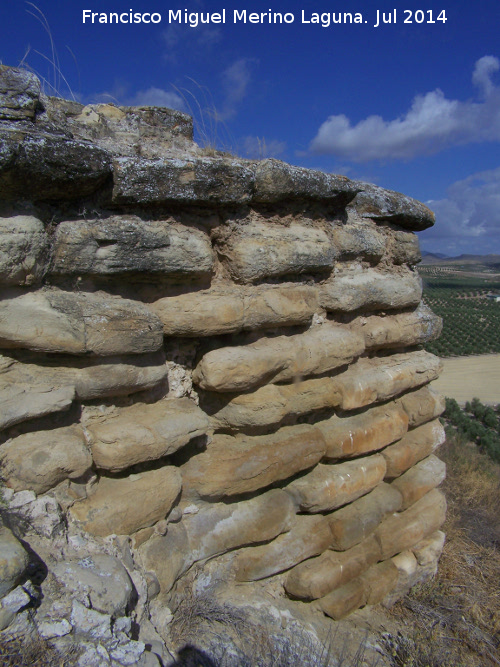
(413, 107)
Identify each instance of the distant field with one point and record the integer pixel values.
(464, 378)
(471, 321)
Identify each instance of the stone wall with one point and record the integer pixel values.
(219, 358)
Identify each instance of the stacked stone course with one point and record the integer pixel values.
(217, 357)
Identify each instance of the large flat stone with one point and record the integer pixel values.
(356, 521)
(124, 505)
(358, 239)
(271, 403)
(127, 245)
(315, 352)
(144, 432)
(38, 461)
(317, 577)
(413, 447)
(309, 536)
(51, 320)
(223, 311)
(330, 486)
(257, 250)
(386, 205)
(420, 479)
(368, 431)
(19, 94)
(372, 380)
(24, 250)
(406, 529)
(370, 289)
(413, 328)
(422, 405)
(234, 465)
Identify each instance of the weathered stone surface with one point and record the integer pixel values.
(402, 531)
(144, 432)
(215, 530)
(19, 94)
(353, 523)
(379, 580)
(24, 250)
(13, 561)
(272, 403)
(276, 181)
(309, 536)
(40, 460)
(404, 248)
(407, 567)
(90, 622)
(422, 405)
(316, 577)
(330, 486)
(372, 380)
(47, 167)
(222, 311)
(420, 479)
(124, 505)
(368, 431)
(414, 328)
(370, 289)
(429, 550)
(196, 180)
(27, 392)
(100, 578)
(413, 447)
(257, 250)
(317, 351)
(235, 465)
(78, 323)
(127, 245)
(359, 239)
(344, 600)
(378, 204)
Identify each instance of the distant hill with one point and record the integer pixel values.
(443, 260)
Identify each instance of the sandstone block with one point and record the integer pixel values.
(125, 505)
(370, 289)
(24, 250)
(271, 403)
(413, 447)
(359, 239)
(344, 600)
(168, 556)
(407, 567)
(371, 430)
(40, 460)
(100, 578)
(372, 380)
(379, 580)
(13, 561)
(196, 180)
(77, 323)
(316, 577)
(144, 432)
(47, 167)
(414, 328)
(309, 536)
(27, 392)
(386, 205)
(420, 479)
(404, 530)
(283, 358)
(422, 405)
(235, 465)
(257, 250)
(276, 181)
(19, 94)
(429, 550)
(330, 486)
(404, 248)
(127, 245)
(353, 523)
(217, 311)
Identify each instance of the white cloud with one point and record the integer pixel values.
(156, 97)
(259, 147)
(431, 124)
(468, 219)
(235, 80)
